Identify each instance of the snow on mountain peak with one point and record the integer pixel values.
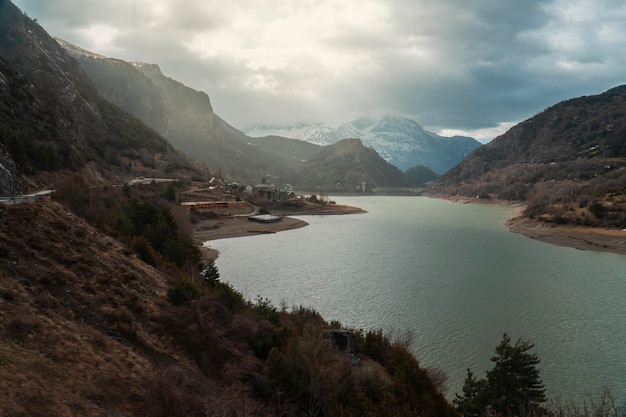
(399, 140)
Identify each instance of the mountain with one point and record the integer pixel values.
(347, 165)
(401, 141)
(181, 114)
(104, 310)
(294, 149)
(52, 117)
(568, 163)
(293, 131)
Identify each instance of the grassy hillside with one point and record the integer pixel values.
(568, 163)
(86, 329)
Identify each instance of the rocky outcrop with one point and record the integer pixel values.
(9, 183)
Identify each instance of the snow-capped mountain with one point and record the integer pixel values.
(399, 140)
(294, 131)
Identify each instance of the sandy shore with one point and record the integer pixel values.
(578, 237)
(237, 227)
(224, 228)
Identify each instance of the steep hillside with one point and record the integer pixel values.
(400, 141)
(346, 166)
(86, 329)
(181, 114)
(78, 317)
(568, 163)
(53, 118)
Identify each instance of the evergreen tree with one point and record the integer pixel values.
(211, 274)
(514, 385)
(471, 402)
(512, 388)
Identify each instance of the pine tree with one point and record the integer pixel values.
(512, 388)
(211, 274)
(514, 385)
(471, 402)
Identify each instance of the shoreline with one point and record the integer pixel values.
(571, 236)
(576, 237)
(232, 227)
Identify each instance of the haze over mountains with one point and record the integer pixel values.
(187, 119)
(399, 140)
(52, 118)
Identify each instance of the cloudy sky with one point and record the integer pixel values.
(455, 66)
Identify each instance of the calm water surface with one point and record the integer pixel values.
(454, 276)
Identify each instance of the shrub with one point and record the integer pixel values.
(230, 297)
(264, 309)
(182, 292)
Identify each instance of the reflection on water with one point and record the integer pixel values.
(455, 277)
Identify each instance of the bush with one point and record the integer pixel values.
(230, 297)
(264, 309)
(182, 292)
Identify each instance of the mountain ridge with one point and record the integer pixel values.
(568, 163)
(186, 118)
(52, 117)
(181, 114)
(348, 165)
(399, 140)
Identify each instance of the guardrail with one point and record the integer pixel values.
(19, 199)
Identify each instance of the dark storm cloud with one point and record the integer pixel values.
(453, 65)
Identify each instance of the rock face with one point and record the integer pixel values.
(9, 184)
(184, 116)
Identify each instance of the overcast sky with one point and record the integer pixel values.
(455, 66)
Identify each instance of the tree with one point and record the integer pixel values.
(211, 274)
(470, 403)
(512, 387)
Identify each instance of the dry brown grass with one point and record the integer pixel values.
(76, 316)
(86, 330)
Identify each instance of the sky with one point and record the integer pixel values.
(455, 66)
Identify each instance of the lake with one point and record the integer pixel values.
(455, 277)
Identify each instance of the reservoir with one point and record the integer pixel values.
(457, 279)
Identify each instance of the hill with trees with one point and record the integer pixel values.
(53, 119)
(347, 166)
(567, 163)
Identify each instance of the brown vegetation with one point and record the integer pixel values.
(86, 329)
(568, 164)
